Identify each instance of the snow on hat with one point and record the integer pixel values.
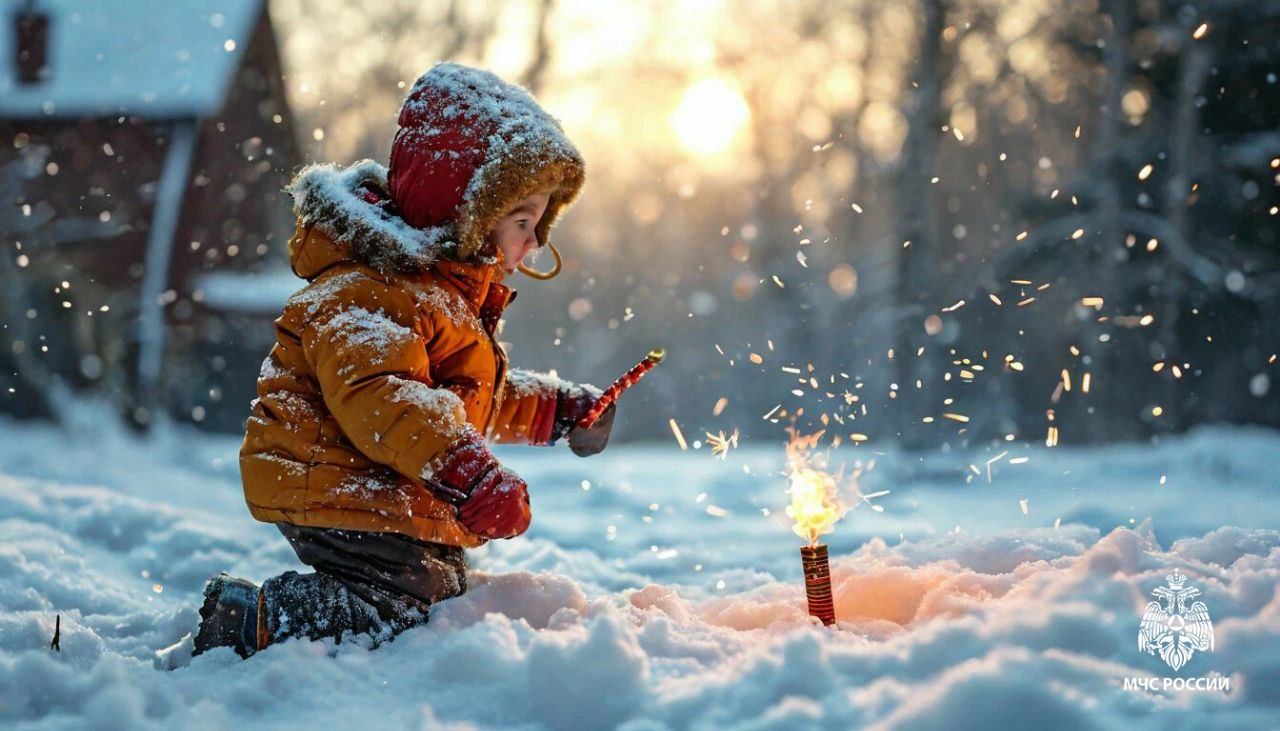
(470, 146)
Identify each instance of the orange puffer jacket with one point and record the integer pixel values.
(377, 370)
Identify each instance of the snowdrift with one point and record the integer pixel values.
(630, 605)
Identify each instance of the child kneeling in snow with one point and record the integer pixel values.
(367, 443)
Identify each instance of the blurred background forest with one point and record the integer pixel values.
(933, 223)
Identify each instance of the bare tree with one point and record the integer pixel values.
(918, 218)
(533, 74)
(1194, 63)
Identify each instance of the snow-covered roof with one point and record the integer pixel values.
(136, 57)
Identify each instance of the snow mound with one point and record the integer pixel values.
(1023, 625)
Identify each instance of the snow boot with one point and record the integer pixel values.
(229, 616)
(317, 606)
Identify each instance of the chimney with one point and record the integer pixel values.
(31, 31)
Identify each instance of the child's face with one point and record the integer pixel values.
(514, 235)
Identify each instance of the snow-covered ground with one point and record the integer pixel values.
(654, 592)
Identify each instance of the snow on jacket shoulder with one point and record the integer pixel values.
(382, 361)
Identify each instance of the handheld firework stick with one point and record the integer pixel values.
(628, 380)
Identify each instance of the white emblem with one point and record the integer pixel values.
(1175, 631)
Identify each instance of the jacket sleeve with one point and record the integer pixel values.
(528, 411)
(367, 344)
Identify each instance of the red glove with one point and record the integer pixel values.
(498, 507)
(492, 501)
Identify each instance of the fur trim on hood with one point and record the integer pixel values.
(338, 202)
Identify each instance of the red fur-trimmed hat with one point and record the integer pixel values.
(469, 147)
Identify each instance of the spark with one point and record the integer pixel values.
(995, 299)
(719, 407)
(720, 444)
(1051, 439)
(675, 429)
(871, 496)
(1201, 31)
(992, 461)
(1145, 172)
(957, 417)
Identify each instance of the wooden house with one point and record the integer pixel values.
(144, 148)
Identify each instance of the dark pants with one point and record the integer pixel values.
(365, 583)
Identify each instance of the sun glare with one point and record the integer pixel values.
(709, 116)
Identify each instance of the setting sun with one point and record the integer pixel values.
(709, 116)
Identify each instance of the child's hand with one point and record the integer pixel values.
(492, 501)
(593, 439)
(570, 408)
(498, 507)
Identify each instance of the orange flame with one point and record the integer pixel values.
(815, 500)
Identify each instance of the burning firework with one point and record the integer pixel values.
(815, 507)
